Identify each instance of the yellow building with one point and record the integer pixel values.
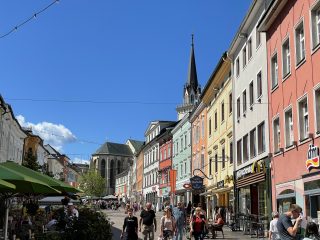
(217, 96)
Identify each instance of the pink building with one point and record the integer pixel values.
(293, 42)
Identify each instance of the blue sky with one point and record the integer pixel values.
(111, 67)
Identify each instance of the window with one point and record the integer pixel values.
(222, 111)
(202, 128)
(276, 135)
(181, 170)
(253, 147)
(245, 148)
(238, 108)
(274, 71)
(288, 127)
(223, 153)
(261, 138)
(239, 152)
(231, 152)
(249, 48)
(161, 157)
(209, 126)
(303, 119)
(244, 56)
(237, 67)
(165, 154)
(181, 140)
(259, 85)
(258, 38)
(185, 141)
(286, 58)
(216, 163)
(230, 103)
(169, 151)
(202, 161)
(215, 120)
(244, 100)
(317, 104)
(300, 46)
(177, 147)
(251, 97)
(315, 25)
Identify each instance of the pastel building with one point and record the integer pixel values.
(251, 122)
(217, 96)
(293, 41)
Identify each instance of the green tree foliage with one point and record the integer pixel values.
(92, 184)
(31, 161)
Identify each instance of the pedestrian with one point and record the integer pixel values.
(197, 225)
(149, 222)
(287, 230)
(312, 232)
(130, 226)
(273, 231)
(167, 225)
(72, 211)
(189, 208)
(179, 214)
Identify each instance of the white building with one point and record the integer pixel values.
(250, 97)
(11, 135)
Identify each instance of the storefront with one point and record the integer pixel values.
(253, 189)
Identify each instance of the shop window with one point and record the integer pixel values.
(239, 152)
(261, 138)
(244, 100)
(315, 25)
(244, 57)
(286, 64)
(245, 200)
(274, 71)
(289, 127)
(300, 45)
(245, 148)
(317, 103)
(253, 147)
(303, 119)
(251, 95)
(276, 135)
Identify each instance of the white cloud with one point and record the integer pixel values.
(79, 160)
(54, 134)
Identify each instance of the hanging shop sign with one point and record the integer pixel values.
(220, 184)
(312, 157)
(187, 186)
(196, 182)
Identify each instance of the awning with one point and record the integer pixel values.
(24, 183)
(54, 183)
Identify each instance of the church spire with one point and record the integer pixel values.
(192, 81)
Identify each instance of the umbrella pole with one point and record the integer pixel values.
(6, 222)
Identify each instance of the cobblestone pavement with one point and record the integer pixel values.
(117, 218)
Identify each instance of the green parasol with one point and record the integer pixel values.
(6, 186)
(54, 183)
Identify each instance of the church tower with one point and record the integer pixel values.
(191, 90)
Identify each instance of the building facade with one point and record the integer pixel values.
(217, 96)
(293, 42)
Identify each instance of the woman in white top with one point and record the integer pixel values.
(273, 231)
(168, 225)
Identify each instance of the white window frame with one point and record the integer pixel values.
(249, 44)
(315, 25)
(263, 139)
(244, 101)
(259, 85)
(300, 44)
(245, 148)
(244, 57)
(238, 108)
(258, 39)
(301, 99)
(274, 71)
(286, 57)
(251, 94)
(237, 67)
(254, 145)
(276, 134)
(223, 157)
(288, 126)
(222, 112)
(239, 146)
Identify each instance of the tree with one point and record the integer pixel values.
(92, 183)
(31, 161)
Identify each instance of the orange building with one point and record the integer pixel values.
(139, 174)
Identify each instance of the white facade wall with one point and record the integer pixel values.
(151, 168)
(11, 139)
(42, 155)
(258, 112)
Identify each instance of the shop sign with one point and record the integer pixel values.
(187, 186)
(196, 182)
(312, 157)
(220, 184)
(244, 171)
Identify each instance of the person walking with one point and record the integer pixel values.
(130, 226)
(197, 225)
(179, 214)
(273, 231)
(312, 231)
(168, 225)
(149, 222)
(286, 229)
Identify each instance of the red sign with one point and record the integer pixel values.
(173, 179)
(313, 157)
(187, 186)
